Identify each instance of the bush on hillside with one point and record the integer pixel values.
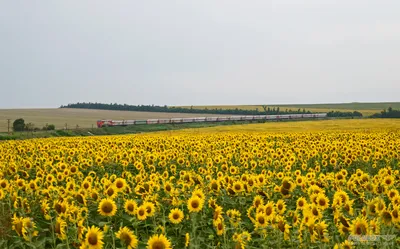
(19, 124)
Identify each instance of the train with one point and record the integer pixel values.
(108, 122)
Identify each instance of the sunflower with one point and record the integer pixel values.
(18, 225)
(59, 228)
(359, 226)
(314, 211)
(141, 212)
(130, 207)
(388, 181)
(346, 245)
(374, 226)
(234, 216)
(94, 195)
(127, 237)
(386, 217)
(81, 229)
(111, 192)
(257, 201)
(322, 201)
(214, 185)
(220, 227)
(81, 199)
(392, 193)
(168, 187)
(299, 180)
(217, 214)
(30, 229)
(187, 239)
(269, 210)
(158, 242)
(94, 238)
(60, 207)
(4, 184)
(396, 214)
(281, 206)
(295, 219)
(195, 204)
(320, 232)
(380, 205)
(301, 203)
(261, 220)
(107, 207)
(150, 208)
(238, 187)
(199, 193)
(176, 216)
(283, 227)
(120, 184)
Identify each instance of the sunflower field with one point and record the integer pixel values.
(216, 190)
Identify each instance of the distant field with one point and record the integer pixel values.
(365, 108)
(342, 125)
(83, 117)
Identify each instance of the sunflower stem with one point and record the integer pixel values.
(193, 242)
(67, 239)
(52, 233)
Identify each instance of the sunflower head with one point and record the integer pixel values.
(107, 207)
(127, 237)
(150, 208)
(141, 212)
(94, 238)
(158, 242)
(195, 204)
(130, 207)
(176, 216)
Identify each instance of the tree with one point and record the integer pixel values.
(19, 125)
(29, 127)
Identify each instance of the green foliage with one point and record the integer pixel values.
(390, 113)
(49, 127)
(19, 124)
(63, 133)
(344, 114)
(7, 137)
(29, 127)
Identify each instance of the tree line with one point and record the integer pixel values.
(266, 110)
(344, 114)
(390, 113)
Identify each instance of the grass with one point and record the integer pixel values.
(84, 118)
(365, 108)
(133, 129)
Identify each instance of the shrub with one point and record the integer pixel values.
(49, 127)
(19, 125)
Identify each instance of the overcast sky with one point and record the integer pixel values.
(198, 52)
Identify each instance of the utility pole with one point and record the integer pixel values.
(8, 126)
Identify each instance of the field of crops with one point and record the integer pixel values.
(215, 189)
(366, 109)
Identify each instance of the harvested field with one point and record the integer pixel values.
(84, 118)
